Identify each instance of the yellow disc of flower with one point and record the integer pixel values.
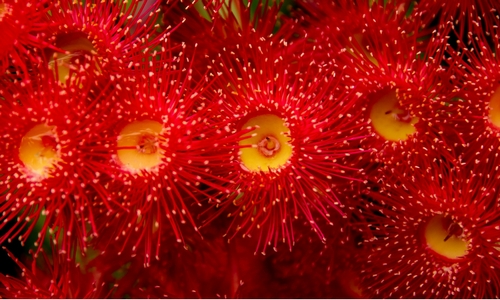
(391, 122)
(139, 146)
(38, 150)
(270, 148)
(443, 237)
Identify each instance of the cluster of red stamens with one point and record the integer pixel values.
(234, 148)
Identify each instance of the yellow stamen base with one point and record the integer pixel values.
(443, 236)
(389, 121)
(38, 152)
(139, 146)
(494, 113)
(270, 148)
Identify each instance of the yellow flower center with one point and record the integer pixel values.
(391, 122)
(79, 50)
(139, 146)
(444, 237)
(270, 148)
(38, 151)
(494, 113)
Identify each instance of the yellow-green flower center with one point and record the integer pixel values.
(139, 146)
(389, 121)
(38, 151)
(445, 237)
(270, 148)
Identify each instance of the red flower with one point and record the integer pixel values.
(395, 81)
(158, 146)
(46, 172)
(434, 234)
(295, 131)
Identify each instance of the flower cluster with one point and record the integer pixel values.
(250, 148)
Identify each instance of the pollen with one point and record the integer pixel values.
(391, 122)
(494, 113)
(445, 238)
(139, 146)
(269, 143)
(38, 151)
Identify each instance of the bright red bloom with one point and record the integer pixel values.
(434, 233)
(46, 172)
(158, 147)
(396, 82)
(295, 132)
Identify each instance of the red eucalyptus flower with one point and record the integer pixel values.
(46, 171)
(295, 129)
(402, 92)
(392, 69)
(158, 148)
(53, 276)
(21, 24)
(435, 233)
